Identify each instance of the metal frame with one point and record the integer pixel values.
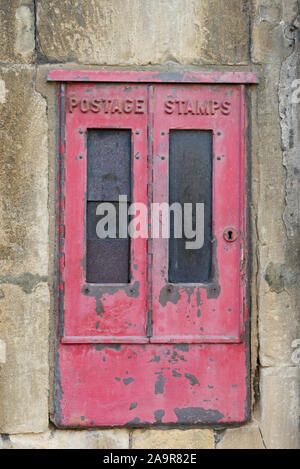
(129, 380)
(114, 76)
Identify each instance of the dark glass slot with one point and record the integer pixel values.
(108, 170)
(108, 177)
(190, 181)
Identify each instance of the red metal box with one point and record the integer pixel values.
(169, 342)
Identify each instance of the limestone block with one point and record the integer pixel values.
(279, 327)
(271, 38)
(248, 437)
(17, 31)
(278, 226)
(2, 351)
(24, 377)
(277, 313)
(142, 32)
(24, 294)
(23, 180)
(173, 439)
(280, 395)
(68, 439)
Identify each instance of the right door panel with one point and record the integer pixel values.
(198, 157)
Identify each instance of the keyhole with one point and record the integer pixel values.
(230, 235)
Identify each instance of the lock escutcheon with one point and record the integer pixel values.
(230, 234)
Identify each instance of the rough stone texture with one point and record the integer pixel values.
(2, 351)
(66, 439)
(173, 439)
(279, 271)
(276, 49)
(280, 395)
(24, 295)
(177, 34)
(17, 31)
(24, 376)
(143, 32)
(248, 437)
(23, 181)
(270, 41)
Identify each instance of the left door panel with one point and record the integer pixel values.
(103, 160)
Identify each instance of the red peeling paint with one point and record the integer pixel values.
(117, 358)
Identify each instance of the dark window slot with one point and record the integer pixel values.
(190, 181)
(108, 178)
(109, 165)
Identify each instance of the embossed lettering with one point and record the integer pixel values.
(128, 105)
(189, 108)
(225, 108)
(107, 105)
(215, 106)
(84, 105)
(169, 106)
(73, 103)
(203, 108)
(180, 106)
(198, 107)
(139, 107)
(96, 105)
(115, 107)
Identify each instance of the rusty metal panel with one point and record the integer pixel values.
(190, 182)
(115, 76)
(210, 311)
(101, 312)
(192, 366)
(136, 385)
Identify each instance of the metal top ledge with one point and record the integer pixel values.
(152, 77)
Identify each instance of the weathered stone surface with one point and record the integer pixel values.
(224, 31)
(2, 351)
(24, 376)
(277, 316)
(68, 439)
(24, 295)
(173, 439)
(141, 32)
(248, 437)
(23, 180)
(280, 395)
(271, 41)
(278, 274)
(289, 109)
(276, 196)
(17, 31)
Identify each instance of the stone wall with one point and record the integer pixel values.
(37, 36)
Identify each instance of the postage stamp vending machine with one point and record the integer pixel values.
(153, 319)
